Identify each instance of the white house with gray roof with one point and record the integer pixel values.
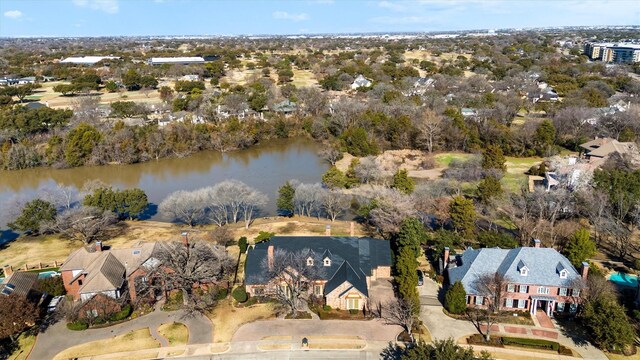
(537, 279)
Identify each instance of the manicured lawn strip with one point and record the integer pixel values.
(176, 333)
(132, 341)
(25, 344)
(227, 319)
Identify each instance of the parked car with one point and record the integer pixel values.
(53, 304)
(420, 278)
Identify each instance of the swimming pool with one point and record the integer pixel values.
(623, 279)
(48, 274)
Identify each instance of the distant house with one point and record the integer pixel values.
(360, 82)
(467, 112)
(602, 148)
(347, 266)
(420, 86)
(536, 278)
(87, 60)
(27, 80)
(186, 60)
(93, 270)
(8, 80)
(285, 107)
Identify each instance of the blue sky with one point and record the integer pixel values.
(200, 17)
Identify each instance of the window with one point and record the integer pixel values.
(92, 313)
(563, 274)
(524, 289)
(524, 271)
(508, 303)
(80, 282)
(522, 304)
(467, 298)
(543, 290)
(353, 304)
(511, 288)
(258, 291)
(479, 300)
(317, 290)
(309, 261)
(560, 307)
(562, 291)
(327, 262)
(575, 292)
(573, 308)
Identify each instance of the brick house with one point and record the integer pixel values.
(348, 264)
(537, 279)
(93, 270)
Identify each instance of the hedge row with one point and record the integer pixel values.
(534, 343)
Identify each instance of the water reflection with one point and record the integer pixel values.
(265, 167)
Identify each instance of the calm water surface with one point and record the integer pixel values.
(265, 167)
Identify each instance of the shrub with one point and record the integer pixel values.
(326, 308)
(122, 314)
(239, 294)
(242, 243)
(354, 311)
(534, 343)
(222, 294)
(77, 325)
(455, 299)
(636, 264)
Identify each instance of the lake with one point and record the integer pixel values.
(265, 167)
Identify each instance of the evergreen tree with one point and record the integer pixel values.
(34, 214)
(285, 199)
(79, 144)
(412, 234)
(580, 247)
(334, 178)
(545, 136)
(463, 215)
(489, 188)
(406, 276)
(455, 300)
(608, 323)
(493, 158)
(402, 182)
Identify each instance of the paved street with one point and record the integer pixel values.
(58, 337)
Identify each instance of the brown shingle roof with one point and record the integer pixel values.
(107, 273)
(20, 283)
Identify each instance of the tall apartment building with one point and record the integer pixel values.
(613, 52)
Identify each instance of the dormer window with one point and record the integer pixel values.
(524, 271)
(309, 261)
(562, 271)
(564, 274)
(327, 261)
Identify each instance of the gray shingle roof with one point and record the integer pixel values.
(20, 283)
(352, 259)
(542, 264)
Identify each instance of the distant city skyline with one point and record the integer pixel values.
(243, 17)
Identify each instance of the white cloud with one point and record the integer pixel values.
(395, 20)
(14, 14)
(392, 6)
(283, 15)
(108, 6)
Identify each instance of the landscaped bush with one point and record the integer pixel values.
(354, 311)
(122, 314)
(239, 294)
(326, 308)
(299, 315)
(534, 343)
(77, 325)
(222, 294)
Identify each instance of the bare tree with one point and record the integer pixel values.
(312, 100)
(492, 287)
(187, 207)
(234, 199)
(368, 170)
(331, 154)
(392, 207)
(186, 267)
(400, 312)
(85, 223)
(290, 273)
(308, 199)
(253, 202)
(334, 203)
(429, 129)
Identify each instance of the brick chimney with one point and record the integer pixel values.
(185, 238)
(585, 270)
(445, 257)
(98, 246)
(8, 270)
(352, 229)
(536, 243)
(327, 230)
(270, 256)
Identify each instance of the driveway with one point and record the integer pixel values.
(57, 337)
(373, 330)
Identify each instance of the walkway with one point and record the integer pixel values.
(58, 338)
(543, 320)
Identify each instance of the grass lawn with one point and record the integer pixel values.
(304, 78)
(622, 357)
(515, 177)
(25, 343)
(445, 159)
(176, 333)
(132, 341)
(228, 319)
